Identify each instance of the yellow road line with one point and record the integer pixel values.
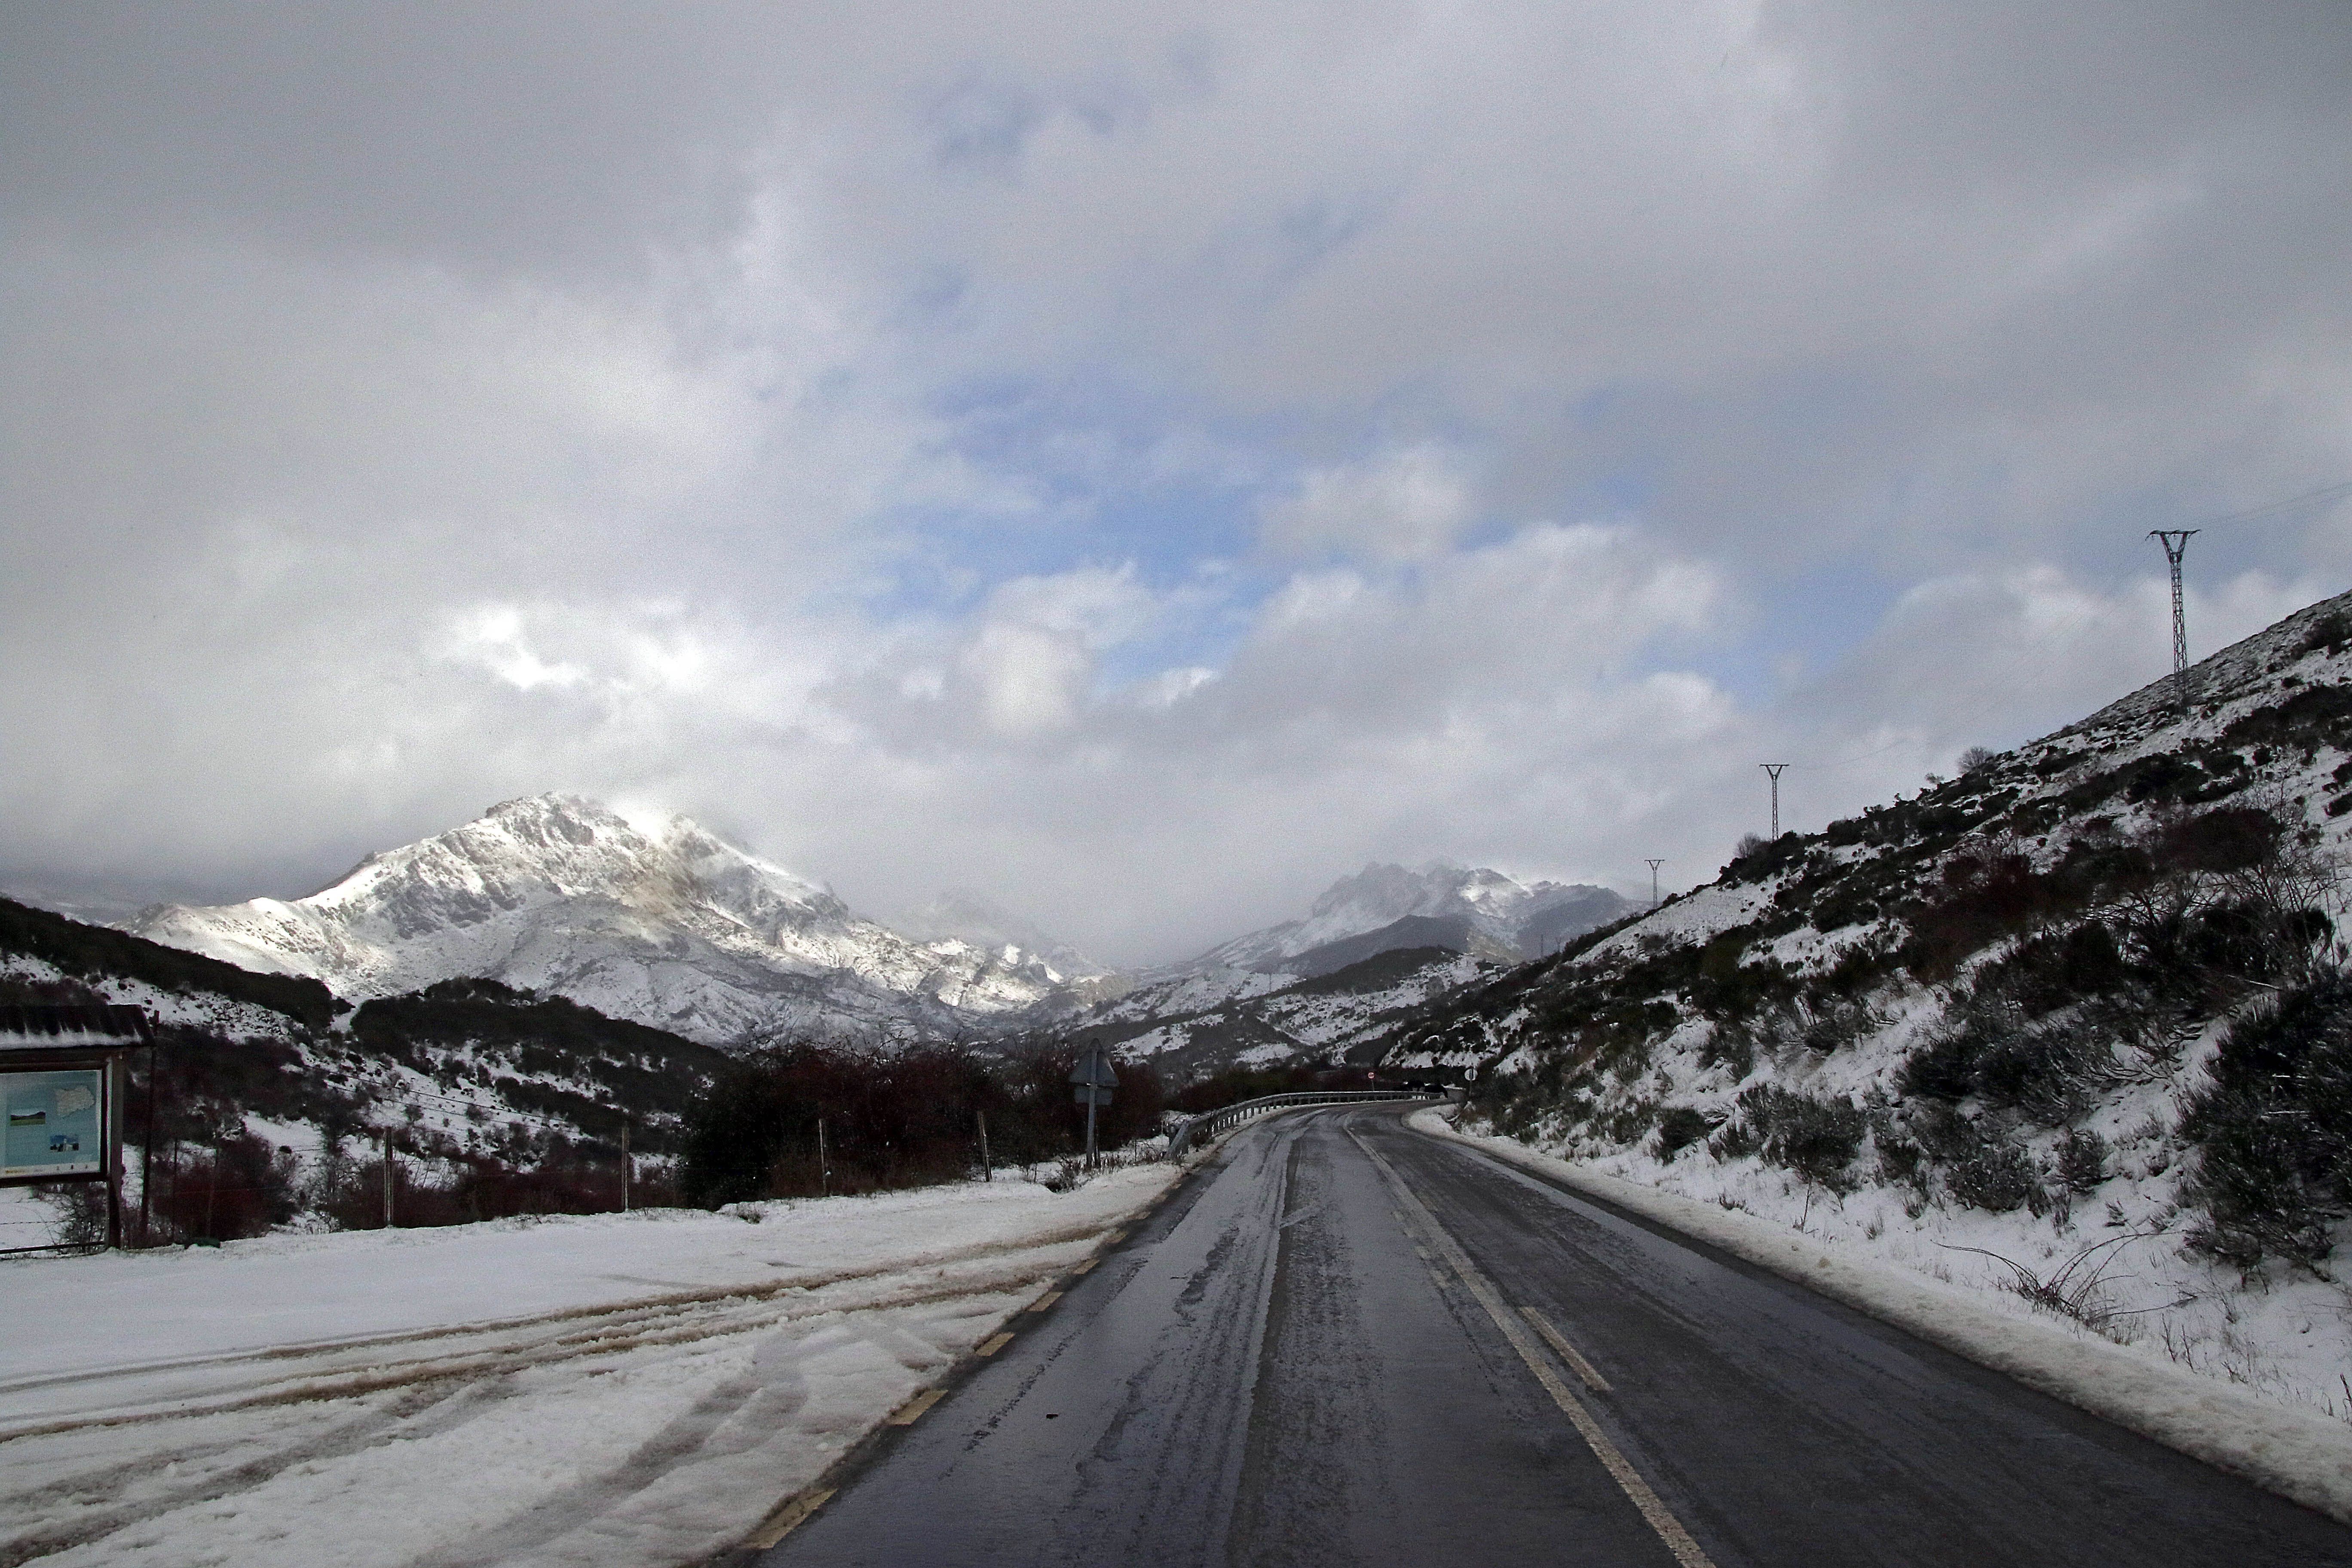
(1559, 1341)
(908, 1413)
(1082, 1267)
(786, 1518)
(1045, 1300)
(995, 1344)
(1113, 1238)
(1621, 1470)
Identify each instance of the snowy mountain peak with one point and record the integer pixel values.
(655, 919)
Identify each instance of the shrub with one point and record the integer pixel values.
(2000, 1177)
(1818, 1139)
(2274, 1129)
(1901, 1162)
(1731, 1046)
(1946, 1136)
(2082, 1160)
(230, 1187)
(1680, 1128)
(1629, 1122)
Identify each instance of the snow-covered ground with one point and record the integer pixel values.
(637, 1389)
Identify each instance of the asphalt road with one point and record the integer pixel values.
(1348, 1342)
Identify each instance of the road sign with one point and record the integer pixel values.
(1088, 1094)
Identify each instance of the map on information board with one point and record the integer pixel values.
(53, 1126)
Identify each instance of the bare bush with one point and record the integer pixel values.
(2076, 1288)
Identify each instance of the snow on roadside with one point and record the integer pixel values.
(2291, 1449)
(634, 1389)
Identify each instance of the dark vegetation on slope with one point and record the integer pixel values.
(547, 1056)
(86, 953)
(557, 1080)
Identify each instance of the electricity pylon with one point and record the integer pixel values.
(1774, 769)
(1653, 866)
(2176, 543)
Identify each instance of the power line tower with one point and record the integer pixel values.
(1653, 866)
(1774, 769)
(2176, 544)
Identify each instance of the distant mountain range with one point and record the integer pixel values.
(1383, 908)
(665, 924)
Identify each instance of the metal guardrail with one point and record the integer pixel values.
(1210, 1123)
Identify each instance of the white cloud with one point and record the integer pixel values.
(1030, 679)
(1405, 505)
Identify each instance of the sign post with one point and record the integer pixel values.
(62, 1087)
(1095, 1081)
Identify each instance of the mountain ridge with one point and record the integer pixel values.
(664, 922)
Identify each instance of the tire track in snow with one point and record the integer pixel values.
(624, 1327)
(459, 1387)
(362, 1431)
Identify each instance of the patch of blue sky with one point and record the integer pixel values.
(1110, 480)
(1784, 634)
(1112, 476)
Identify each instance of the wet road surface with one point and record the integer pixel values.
(1348, 1343)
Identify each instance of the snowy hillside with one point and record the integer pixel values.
(2073, 1026)
(1344, 1018)
(660, 922)
(1327, 988)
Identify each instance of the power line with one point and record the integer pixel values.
(2254, 514)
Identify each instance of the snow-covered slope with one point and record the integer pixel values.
(978, 921)
(1342, 1018)
(658, 921)
(1513, 917)
(1373, 949)
(2071, 1026)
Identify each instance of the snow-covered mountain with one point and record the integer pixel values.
(660, 921)
(1480, 911)
(1371, 950)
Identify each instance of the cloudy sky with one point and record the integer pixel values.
(1142, 462)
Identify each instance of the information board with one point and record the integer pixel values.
(52, 1123)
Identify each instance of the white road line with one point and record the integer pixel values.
(1652, 1508)
(1567, 1353)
